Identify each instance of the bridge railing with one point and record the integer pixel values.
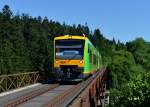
(13, 81)
(94, 94)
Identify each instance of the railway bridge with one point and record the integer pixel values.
(16, 91)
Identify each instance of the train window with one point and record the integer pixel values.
(88, 48)
(98, 61)
(94, 62)
(69, 49)
(90, 55)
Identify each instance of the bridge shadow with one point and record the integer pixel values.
(61, 82)
(69, 82)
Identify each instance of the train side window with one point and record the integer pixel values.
(98, 61)
(94, 62)
(90, 56)
(88, 48)
(90, 53)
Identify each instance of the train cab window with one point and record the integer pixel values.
(69, 49)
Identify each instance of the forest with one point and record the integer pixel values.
(26, 44)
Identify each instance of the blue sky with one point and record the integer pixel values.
(122, 19)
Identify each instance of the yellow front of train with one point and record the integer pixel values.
(69, 56)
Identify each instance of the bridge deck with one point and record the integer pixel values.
(48, 95)
(44, 98)
(11, 95)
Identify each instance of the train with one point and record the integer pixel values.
(75, 58)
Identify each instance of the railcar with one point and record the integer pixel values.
(75, 58)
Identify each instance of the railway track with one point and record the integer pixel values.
(53, 95)
(66, 99)
(44, 98)
(30, 95)
(50, 96)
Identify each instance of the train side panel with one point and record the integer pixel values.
(87, 65)
(92, 58)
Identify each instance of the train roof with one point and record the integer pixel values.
(70, 37)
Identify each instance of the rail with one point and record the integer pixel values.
(88, 93)
(30, 95)
(70, 95)
(13, 81)
(94, 94)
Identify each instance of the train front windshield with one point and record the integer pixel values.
(69, 49)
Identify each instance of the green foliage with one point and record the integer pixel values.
(135, 93)
(140, 50)
(130, 86)
(7, 12)
(122, 63)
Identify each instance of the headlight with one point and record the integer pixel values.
(81, 62)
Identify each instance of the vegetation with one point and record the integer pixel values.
(27, 45)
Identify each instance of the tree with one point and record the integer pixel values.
(122, 63)
(134, 93)
(7, 12)
(140, 50)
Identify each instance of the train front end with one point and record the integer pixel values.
(69, 58)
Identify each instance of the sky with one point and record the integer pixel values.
(124, 20)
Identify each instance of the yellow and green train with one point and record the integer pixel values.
(75, 57)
